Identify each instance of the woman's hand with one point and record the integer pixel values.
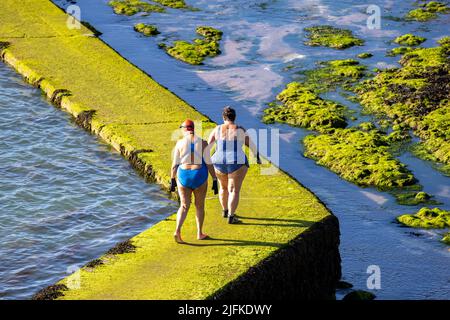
(215, 187)
(173, 184)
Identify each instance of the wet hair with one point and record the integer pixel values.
(229, 113)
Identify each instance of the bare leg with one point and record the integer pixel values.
(235, 180)
(185, 202)
(223, 191)
(200, 195)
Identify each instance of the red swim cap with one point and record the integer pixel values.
(188, 124)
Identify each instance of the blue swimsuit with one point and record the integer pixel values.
(193, 178)
(229, 155)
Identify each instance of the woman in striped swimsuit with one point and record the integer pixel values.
(230, 162)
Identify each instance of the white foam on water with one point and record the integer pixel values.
(378, 199)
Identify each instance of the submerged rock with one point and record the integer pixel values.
(427, 218)
(360, 157)
(427, 11)
(146, 29)
(365, 55)
(331, 74)
(196, 52)
(416, 95)
(359, 295)
(397, 51)
(446, 238)
(332, 37)
(131, 7)
(414, 198)
(302, 107)
(409, 40)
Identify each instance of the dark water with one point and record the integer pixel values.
(65, 197)
(261, 39)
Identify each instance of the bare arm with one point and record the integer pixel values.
(212, 137)
(175, 162)
(251, 145)
(207, 157)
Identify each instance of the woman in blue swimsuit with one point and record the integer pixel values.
(190, 174)
(230, 162)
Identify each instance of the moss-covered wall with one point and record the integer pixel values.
(289, 240)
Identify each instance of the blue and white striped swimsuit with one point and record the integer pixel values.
(229, 155)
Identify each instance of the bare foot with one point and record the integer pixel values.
(178, 239)
(202, 236)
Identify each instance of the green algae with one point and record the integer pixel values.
(142, 118)
(427, 11)
(446, 238)
(176, 4)
(427, 218)
(131, 7)
(304, 108)
(398, 51)
(332, 37)
(416, 95)
(365, 55)
(331, 74)
(196, 52)
(360, 157)
(409, 40)
(421, 150)
(51, 292)
(146, 29)
(415, 198)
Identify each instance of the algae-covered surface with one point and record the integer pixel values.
(427, 218)
(428, 11)
(332, 37)
(131, 7)
(417, 95)
(360, 157)
(138, 116)
(195, 52)
(146, 29)
(262, 51)
(304, 108)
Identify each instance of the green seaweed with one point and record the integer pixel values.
(365, 55)
(409, 40)
(416, 95)
(331, 74)
(146, 29)
(397, 51)
(415, 198)
(427, 218)
(332, 37)
(446, 238)
(131, 7)
(196, 52)
(427, 11)
(304, 108)
(176, 4)
(360, 157)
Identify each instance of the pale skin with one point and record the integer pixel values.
(230, 184)
(185, 194)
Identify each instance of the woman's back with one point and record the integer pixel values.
(189, 151)
(230, 139)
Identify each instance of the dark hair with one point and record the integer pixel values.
(229, 114)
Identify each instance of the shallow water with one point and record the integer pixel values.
(261, 39)
(65, 197)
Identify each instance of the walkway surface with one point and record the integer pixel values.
(136, 115)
